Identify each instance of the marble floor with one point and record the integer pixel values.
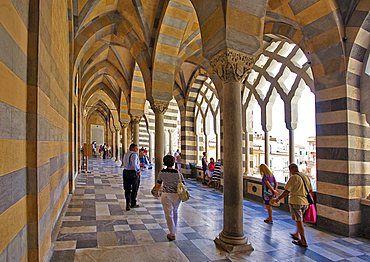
(96, 227)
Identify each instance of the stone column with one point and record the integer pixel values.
(159, 108)
(165, 139)
(124, 140)
(206, 143)
(291, 146)
(113, 145)
(118, 148)
(232, 67)
(247, 153)
(135, 120)
(151, 145)
(267, 148)
(218, 141)
(170, 140)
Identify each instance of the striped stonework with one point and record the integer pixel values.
(339, 122)
(341, 130)
(147, 123)
(35, 125)
(218, 20)
(188, 135)
(137, 99)
(144, 134)
(14, 33)
(171, 33)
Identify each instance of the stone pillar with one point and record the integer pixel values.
(197, 149)
(232, 67)
(267, 148)
(165, 139)
(151, 145)
(247, 153)
(291, 146)
(206, 143)
(118, 148)
(113, 145)
(135, 120)
(218, 141)
(159, 108)
(170, 140)
(124, 140)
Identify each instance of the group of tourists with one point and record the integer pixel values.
(104, 151)
(297, 188)
(211, 171)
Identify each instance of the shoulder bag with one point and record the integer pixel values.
(309, 197)
(182, 190)
(129, 173)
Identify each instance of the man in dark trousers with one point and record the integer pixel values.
(131, 176)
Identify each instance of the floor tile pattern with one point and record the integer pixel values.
(96, 227)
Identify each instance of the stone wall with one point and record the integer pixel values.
(13, 135)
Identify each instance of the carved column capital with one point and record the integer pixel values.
(159, 107)
(135, 119)
(125, 124)
(231, 65)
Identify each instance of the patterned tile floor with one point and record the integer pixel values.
(96, 227)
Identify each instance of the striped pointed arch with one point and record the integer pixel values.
(223, 25)
(172, 31)
(357, 62)
(94, 31)
(102, 97)
(337, 113)
(138, 94)
(101, 81)
(105, 30)
(105, 68)
(188, 138)
(123, 109)
(93, 8)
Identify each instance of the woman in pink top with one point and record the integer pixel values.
(211, 169)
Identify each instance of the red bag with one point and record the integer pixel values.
(310, 214)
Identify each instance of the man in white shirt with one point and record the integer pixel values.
(131, 176)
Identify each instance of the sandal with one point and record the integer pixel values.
(299, 243)
(268, 221)
(170, 237)
(293, 236)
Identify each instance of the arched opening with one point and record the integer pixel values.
(207, 121)
(281, 83)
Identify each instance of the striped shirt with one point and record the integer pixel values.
(217, 173)
(170, 179)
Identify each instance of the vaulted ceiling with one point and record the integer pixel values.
(162, 39)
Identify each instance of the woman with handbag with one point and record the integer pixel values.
(169, 178)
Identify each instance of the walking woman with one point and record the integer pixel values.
(169, 178)
(269, 186)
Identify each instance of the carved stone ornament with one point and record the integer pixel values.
(231, 65)
(135, 119)
(159, 107)
(125, 124)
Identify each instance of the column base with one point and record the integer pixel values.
(118, 162)
(233, 244)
